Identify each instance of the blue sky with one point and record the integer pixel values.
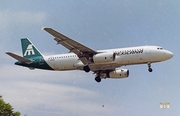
(98, 24)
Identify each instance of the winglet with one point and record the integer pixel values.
(19, 58)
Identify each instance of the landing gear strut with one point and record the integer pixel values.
(149, 67)
(98, 79)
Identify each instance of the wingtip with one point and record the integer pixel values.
(7, 52)
(45, 28)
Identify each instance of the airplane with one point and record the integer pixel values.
(104, 63)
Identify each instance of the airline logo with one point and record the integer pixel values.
(29, 51)
(129, 52)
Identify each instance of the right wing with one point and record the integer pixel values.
(19, 58)
(80, 50)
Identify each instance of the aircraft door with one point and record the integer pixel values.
(119, 59)
(148, 55)
(148, 51)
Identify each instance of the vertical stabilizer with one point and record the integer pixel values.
(28, 49)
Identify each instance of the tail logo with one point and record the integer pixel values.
(29, 51)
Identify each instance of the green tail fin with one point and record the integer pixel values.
(28, 49)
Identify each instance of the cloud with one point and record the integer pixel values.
(12, 21)
(20, 18)
(29, 96)
(38, 91)
(16, 24)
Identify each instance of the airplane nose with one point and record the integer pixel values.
(168, 54)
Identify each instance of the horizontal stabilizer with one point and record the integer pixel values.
(19, 58)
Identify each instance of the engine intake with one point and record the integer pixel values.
(120, 73)
(104, 57)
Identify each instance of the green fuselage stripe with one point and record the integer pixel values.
(38, 62)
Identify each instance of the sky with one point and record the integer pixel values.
(98, 24)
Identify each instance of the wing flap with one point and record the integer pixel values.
(19, 58)
(68, 46)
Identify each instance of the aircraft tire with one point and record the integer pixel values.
(98, 79)
(86, 68)
(150, 69)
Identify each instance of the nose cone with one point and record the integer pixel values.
(168, 54)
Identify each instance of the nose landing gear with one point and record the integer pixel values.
(149, 67)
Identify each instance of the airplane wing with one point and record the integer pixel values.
(80, 50)
(19, 58)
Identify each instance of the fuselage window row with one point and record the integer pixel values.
(53, 58)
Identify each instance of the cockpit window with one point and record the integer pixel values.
(159, 48)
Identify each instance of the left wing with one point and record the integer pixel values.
(80, 50)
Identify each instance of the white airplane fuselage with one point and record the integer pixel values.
(124, 56)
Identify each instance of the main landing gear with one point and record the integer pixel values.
(86, 68)
(98, 79)
(149, 67)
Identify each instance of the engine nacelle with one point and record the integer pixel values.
(104, 57)
(120, 73)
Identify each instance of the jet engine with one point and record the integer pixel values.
(119, 73)
(104, 57)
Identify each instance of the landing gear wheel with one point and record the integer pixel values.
(86, 68)
(98, 79)
(150, 69)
